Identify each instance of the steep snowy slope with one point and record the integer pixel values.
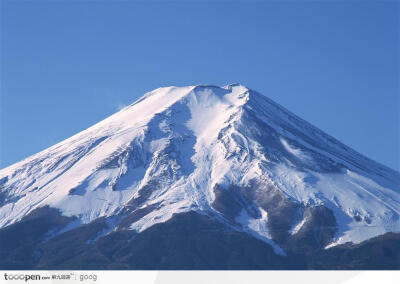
(226, 152)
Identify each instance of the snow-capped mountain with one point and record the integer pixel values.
(228, 153)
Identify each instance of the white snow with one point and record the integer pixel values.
(295, 151)
(187, 140)
(297, 227)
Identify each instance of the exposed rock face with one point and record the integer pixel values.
(186, 241)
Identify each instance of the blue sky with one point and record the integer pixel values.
(65, 65)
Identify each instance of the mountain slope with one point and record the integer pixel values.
(228, 153)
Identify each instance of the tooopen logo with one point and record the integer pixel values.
(25, 277)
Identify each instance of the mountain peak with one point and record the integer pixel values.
(173, 93)
(227, 152)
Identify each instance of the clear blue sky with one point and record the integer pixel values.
(65, 65)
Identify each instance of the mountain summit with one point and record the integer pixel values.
(187, 164)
